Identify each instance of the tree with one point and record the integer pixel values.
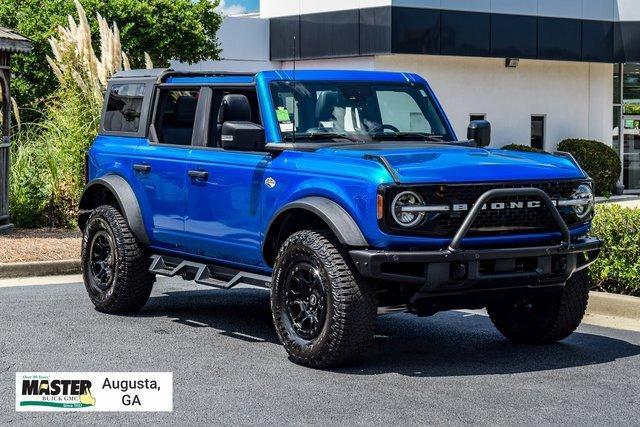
(167, 29)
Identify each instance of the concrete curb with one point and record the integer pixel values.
(600, 303)
(40, 268)
(614, 305)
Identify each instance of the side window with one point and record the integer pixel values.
(401, 111)
(124, 106)
(176, 116)
(232, 105)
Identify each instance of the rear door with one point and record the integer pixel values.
(225, 189)
(161, 165)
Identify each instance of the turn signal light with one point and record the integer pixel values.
(380, 206)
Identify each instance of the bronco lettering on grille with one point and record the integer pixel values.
(498, 206)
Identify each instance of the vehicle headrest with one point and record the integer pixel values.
(234, 108)
(327, 101)
(186, 110)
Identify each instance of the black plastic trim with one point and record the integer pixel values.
(201, 127)
(341, 223)
(387, 165)
(126, 199)
(369, 262)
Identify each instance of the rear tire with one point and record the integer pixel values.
(543, 319)
(115, 266)
(323, 311)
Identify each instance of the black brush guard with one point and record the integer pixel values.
(455, 271)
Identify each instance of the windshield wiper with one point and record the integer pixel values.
(321, 135)
(404, 135)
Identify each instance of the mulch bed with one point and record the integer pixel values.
(39, 245)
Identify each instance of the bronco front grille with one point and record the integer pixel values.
(489, 222)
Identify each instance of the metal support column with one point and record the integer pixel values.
(5, 142)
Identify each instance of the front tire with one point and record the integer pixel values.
(546, 318)
(115, 266)
(323, 311)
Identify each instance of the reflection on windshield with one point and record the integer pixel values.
(357, 111)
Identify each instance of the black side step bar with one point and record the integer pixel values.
(205, 274)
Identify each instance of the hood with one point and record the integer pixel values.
(440, 163)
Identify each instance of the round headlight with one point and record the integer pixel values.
(402, 211)
(584, 195)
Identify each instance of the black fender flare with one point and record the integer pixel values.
(343, 226)
(126, 199)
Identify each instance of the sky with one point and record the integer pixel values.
(234, 7)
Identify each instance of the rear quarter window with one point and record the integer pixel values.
(124, 107)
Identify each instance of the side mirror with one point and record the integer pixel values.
(242, 136)
(480, 132)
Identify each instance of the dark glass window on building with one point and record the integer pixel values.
(617, 88)
(474, 117)
(631, 88)
(537, 132)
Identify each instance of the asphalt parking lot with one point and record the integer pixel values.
(453, 368)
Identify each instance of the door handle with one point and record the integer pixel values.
(199, 175)
(138, 167)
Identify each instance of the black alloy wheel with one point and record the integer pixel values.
(305, 300)
(102, 260)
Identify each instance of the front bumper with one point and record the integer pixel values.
(454, 272)
(460, 269)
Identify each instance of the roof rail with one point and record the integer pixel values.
(161, 74)
(186, 73)
(141, 73)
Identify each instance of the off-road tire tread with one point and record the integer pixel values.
(133, 279)
(564, 315)
(355, 309)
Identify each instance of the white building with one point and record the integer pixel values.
(539, 70)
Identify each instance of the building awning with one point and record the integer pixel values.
(10, 41)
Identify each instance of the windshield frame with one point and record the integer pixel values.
(363, 137)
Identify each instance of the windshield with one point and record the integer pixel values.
(357, 111)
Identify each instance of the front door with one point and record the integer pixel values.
(223, 209)
(225, 189)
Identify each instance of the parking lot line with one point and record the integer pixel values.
(40, 281)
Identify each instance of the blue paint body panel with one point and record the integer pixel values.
(226, 217)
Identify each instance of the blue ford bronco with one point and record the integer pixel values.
(346, 193)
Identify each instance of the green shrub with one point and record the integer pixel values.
(518, 147)
(29, 193)
(48, 160)
(617, 270)
(632, 109)
(600, 161)
(47, 173)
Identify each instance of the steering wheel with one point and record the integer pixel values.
(384, 127)
(319, 130)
